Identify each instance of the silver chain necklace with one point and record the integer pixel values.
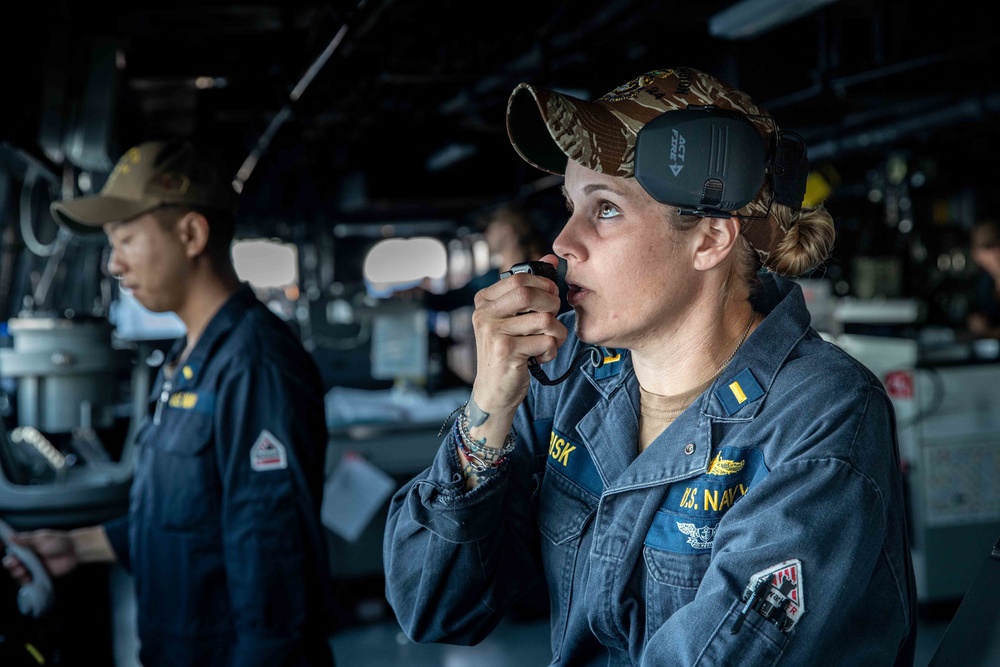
(753, 316)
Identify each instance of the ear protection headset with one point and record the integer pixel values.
(708, 162)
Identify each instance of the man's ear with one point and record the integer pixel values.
(716, 239)
(192, 230)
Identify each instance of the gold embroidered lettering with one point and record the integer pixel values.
(183, 399)
(690, 493)
(712, 500)
(560, 449)
(564, 457)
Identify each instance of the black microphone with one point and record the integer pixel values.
(543, 269)
(546, 270)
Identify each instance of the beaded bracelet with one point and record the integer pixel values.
(480, 466)
(482, 459)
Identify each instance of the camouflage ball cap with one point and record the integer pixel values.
(547, 128)
(147, 176)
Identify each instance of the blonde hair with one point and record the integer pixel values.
(807, 243)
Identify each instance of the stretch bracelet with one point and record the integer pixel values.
(481, 458)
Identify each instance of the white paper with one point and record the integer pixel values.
(353, 493)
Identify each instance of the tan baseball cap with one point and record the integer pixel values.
(147, 176)
(548, 128)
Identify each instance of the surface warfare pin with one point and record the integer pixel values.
(268, 453)
(776, 594)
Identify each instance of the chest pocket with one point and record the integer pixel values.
(181, 474)
(570, 490)
(681, 539)
(564, 511)
(564, 508)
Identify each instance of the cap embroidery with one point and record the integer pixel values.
(124, 166)
(683, 82)
(174, 181)
(627, 91)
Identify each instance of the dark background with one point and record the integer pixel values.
(338, 117)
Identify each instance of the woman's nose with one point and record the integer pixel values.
(568, 243)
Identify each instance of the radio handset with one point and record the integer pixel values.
(543, 269)
(546, 270)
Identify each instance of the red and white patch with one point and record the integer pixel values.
(785, 581)
(268, 453)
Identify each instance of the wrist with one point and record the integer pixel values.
(481, 453)
(91, 545)
(498, 408)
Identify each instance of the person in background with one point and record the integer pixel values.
(984, 308)
(223, 534)
(712, 482)
(512, 236)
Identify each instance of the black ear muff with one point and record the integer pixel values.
(790, 170)
(706, 161)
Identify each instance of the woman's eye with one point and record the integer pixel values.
(608, 210)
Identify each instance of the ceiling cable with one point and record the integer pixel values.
(286, 112)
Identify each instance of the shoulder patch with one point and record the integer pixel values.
(780, 599)
(268, 453)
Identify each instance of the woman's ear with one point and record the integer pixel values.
(716, 239)
(192, 229)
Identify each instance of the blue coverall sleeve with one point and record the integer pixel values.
(456, 560)
(116, 531)
(266, 423)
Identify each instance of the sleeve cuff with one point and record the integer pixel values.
(441, 503)
(117, 533)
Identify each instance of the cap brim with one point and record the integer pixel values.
(87, 215)
(547, 128)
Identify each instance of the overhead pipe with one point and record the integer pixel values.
(243, 173)
(617, 16)
(972, 108)
(975, 108)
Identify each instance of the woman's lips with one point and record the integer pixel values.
(575, 294)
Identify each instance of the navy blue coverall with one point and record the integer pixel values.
(223, 535)
(781, 480)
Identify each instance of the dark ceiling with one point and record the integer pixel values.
(395, 109)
